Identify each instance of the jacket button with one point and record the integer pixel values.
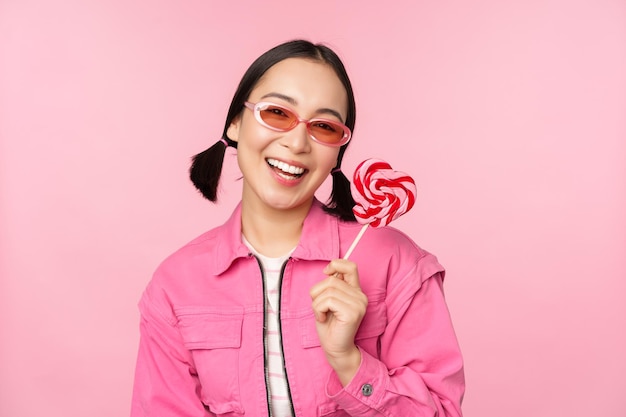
(367, 389)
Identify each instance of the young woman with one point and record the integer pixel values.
(260, 316)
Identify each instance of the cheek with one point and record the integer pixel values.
(255, 134)
(329, 157)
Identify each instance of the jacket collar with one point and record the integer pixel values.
(319, 239)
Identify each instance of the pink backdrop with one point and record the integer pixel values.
(509, 114)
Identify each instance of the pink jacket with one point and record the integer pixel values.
(201, 350)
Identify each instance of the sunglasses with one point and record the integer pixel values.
(282, 119)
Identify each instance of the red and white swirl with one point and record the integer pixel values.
(381, 194)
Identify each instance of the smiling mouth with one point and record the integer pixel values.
(285, 170)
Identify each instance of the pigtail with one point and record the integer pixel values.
(341, 202)
(206, 168)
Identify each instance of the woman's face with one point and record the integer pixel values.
(282, 170)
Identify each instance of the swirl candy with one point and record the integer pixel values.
(381, 194)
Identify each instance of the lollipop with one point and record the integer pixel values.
(381, 195)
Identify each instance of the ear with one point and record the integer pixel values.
(233, 130)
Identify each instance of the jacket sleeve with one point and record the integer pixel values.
(420, 370)
(165, 379)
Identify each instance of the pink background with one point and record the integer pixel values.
(510, 115)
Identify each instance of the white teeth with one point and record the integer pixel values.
(290, 169)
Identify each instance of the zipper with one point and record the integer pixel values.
(265, 365)
(280, 333)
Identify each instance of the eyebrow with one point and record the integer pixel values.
(293, 102)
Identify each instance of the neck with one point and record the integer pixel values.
(272, 232)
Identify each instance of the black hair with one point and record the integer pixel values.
(206, 167)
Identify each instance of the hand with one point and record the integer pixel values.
(339, 306)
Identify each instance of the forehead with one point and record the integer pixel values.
(311, 84)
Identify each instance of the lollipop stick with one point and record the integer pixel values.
(356, 240)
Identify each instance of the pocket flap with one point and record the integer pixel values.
(374, 322)
(209, 329)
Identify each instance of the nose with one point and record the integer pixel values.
(297, 139)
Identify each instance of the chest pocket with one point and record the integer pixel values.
(213, 336)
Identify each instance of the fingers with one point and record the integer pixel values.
(345, 306)
(332, 283)
(339, 294)
(345, 269)
(339, 306)
(342, 274)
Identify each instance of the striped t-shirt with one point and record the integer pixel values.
(279, 397)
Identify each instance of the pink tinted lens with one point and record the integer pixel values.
(326, 131)
(278, 117)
